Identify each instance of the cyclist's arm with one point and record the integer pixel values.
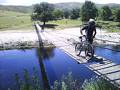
(81, 31)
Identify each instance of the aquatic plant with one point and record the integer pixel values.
(28, 82)
(67, 83)
(97, 83)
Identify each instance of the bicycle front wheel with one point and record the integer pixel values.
(89, 51)
(77, 47)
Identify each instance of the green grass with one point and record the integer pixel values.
(110, 26)
(14, 20)
(10, 20)
(65, 23)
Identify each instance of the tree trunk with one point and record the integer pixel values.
(44, 23)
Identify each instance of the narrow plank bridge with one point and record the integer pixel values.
(107, 69)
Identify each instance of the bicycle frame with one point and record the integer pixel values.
(84, 45)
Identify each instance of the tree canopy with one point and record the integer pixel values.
(58, 14)
(75, 13)
(88, 11)
(117, 15)
(106, 13)
(43, 11)
(66, 13)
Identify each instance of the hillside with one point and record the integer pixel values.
(22, 9)
(70, 5)
(14, 20)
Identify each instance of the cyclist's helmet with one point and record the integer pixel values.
(91, 21)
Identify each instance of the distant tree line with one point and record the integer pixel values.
(45, 12)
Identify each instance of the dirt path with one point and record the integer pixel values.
(31, 36)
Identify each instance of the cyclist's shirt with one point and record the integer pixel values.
(89, 30)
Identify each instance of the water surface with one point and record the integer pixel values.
(50, 63)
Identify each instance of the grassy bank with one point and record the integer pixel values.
(10, 20)
(110, 26)
(65, 23)
(14, 20)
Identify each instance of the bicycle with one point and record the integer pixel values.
(84, 45)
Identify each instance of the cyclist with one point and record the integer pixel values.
(90, 30)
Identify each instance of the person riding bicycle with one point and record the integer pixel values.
(90, 30)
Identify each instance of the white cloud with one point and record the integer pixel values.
(20, 2)
(106, 1)
(95, 1)
(30, 2)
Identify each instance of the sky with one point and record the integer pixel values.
(30, 2)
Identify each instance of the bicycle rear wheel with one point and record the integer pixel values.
(89, 52)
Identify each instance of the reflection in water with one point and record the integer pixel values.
(51, 64)
(44, 53)
(109, 52)
(116, 48)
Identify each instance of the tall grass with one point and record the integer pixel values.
(110, 26)
(97, 83)
(14, 20)
(66, 23)
(67, 82)
(28, 82)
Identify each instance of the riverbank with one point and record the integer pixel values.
(22, 38)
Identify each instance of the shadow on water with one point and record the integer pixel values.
(111, 52)
(116, 47)
(96, 60)
(44, 53)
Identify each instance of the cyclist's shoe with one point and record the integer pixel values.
(88, 58)
(78, 54)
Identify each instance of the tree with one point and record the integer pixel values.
(88, 11)
(66, 14)
(44, 11)
(57, 13)
(75, 13)
(106, 13)
(114, 10)
(117, 15)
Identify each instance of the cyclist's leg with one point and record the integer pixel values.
(89, 52)
(90, 40)
(90, 49)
